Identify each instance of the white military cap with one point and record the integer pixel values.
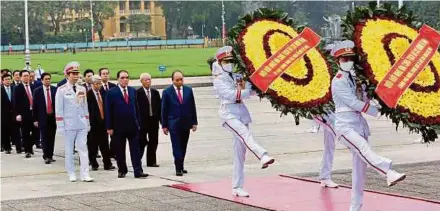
(71, 67)
(344, 48)
(224, 53)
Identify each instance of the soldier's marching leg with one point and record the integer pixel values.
(81, 146)
(327, 158)
(358, 182)
(239, 158)
(362, 148)
(242, 132)
(69, 138)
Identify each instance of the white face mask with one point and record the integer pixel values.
(347, 66)
(227, 67)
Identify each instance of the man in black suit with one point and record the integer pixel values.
(122, 121)
(43, 110)
(87, 76)
(149, 103)
(98, 132)
(16, 77)
(22, 109)
(179, 116)
(104, 73)
(33, 80)
(6, 107)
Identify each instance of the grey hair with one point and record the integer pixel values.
(96, 79)
(144, 75)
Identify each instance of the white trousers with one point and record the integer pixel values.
(329, 148)
(363, 156)
(242, 138)
(78, 137)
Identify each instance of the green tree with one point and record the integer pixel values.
(56, 10)
(139, 23)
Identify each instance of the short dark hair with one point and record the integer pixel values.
(101, 69)
(5, 76)
(174, 72)
(4, 71)
(121, 71)
(211, 61)
(23, 71)
(45, 74)
(88, 71)
(16, 71)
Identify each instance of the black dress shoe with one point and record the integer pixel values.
(154, 165)
(121, 175)
(52, 160)
(19, 151)
(142, 175)
(28, 155)
(8, 152)
(95, 168)
(47, 161)
(179, 173)
(38, 146)
(185, 171)
(109, 168)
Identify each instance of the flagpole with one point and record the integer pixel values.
(26, 28)
(92, 29)
(400, 3)
(223, 24)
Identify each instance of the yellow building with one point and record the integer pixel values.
(117, 26)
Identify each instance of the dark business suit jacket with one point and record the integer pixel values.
(94, 115)
(110, 85)
(118, 114)
(176, 116)
(143, 104)
(21, 104)
(40, 108)
(6, 105)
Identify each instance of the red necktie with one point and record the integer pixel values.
(28, 92)
(49, 102)
(179, 95)
(125, 96)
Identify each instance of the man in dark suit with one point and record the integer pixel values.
(62, 82)
(36, 137)
(6, 108)
(16, 77)
(150, 108)
(179, 116)
(44, 115)
(122, 121)
(22, 109)
(98, 132)
(104, 73)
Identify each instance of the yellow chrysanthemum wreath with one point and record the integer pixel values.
(304, 89)
(381, 37)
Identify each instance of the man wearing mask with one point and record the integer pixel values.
(6, 108)
(232, 90)
(22, 102)
(72, 117)
(44, 116)
(351, 127)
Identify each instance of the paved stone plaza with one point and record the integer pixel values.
(209, 158)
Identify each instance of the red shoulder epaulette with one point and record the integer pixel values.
(339, 75)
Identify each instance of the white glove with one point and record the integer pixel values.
(61, 130)
(18, 118)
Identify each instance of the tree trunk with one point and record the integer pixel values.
(101, 36)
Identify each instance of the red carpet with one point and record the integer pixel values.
(289, 193)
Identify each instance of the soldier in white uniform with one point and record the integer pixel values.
(72, 118)
(351, 127)
(232, 90)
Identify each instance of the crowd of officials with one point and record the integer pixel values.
(93, 114)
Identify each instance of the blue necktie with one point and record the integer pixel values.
(8, 90)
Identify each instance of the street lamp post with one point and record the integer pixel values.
(27, 52)
(223, 24)
(92, 29)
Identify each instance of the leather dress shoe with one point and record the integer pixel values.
(185, 171)
(179, 173)
(109, 168)
(154, 165)
(8, 152)
(141, 176)
(121, 175)
(28, 155)
(47, 161)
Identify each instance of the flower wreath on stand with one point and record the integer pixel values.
(304, 88)
(381, 36)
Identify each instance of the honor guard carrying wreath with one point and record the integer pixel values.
(72, 117)
(232, 90)
(352, 128)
